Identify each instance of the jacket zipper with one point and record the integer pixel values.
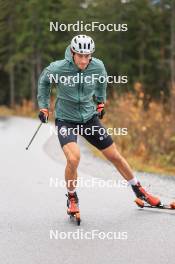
(79, 86)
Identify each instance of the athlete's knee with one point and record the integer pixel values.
(73, 161)
(72, 154)
(113, 155)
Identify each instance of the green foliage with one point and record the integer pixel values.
(142, 53)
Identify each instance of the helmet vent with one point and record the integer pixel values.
(83, 44)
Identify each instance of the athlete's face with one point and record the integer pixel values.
(82, 60)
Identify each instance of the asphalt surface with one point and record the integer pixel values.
(34, 227)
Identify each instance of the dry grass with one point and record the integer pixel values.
(150, 142)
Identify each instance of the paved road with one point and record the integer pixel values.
(34, 227)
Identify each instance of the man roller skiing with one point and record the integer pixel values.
(81, 105)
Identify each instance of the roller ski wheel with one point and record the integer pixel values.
(77, 218)
(142, 204)
(74, 216)
(143, 195)
(139, 202)
(172, 205)
(73, 207)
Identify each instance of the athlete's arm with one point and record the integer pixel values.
(44, 88)
(100, 92)
(101, 85)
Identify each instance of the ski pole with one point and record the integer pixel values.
(34, 136)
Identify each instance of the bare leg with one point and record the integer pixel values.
(112, 154)
(72, 154)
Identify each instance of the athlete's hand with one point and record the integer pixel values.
(44, 115)
(100, 110)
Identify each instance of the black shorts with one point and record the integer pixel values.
(92, 131)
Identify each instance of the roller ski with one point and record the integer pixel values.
(73, 207)
(142, 204)
(143, 196)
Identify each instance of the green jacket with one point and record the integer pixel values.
(75, 101)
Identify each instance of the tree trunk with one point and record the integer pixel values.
(11, 71)
(33, 86)
(38, 64)
(12, 87)
(141, 51)
(172, 61)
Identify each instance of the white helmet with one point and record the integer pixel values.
(82, 44)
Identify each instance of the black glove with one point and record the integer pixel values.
(100, 110)
(44, 115)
